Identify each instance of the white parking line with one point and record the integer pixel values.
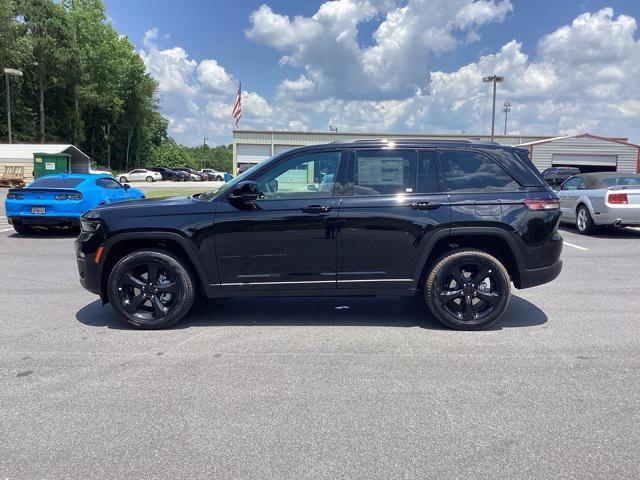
(576, 246)
(6, 230)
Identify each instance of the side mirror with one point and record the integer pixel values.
(244, 192)
(126, 186)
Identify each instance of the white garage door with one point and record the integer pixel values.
(247, 153)
(580, 159)
(283, 148)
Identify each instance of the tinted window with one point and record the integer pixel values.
(472, 171)
(384, 172)
(572, 184)
(427, 172)
(57, 182)
(612, 182)
(303, 176)
(108, 183)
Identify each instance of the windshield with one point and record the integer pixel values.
(618, 181)
(241, 177)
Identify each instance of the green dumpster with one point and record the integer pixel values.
(48, 163)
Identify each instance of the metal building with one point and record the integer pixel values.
(590, 153)
(253, 146)
(21, 155)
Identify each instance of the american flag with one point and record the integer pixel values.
(237, 106)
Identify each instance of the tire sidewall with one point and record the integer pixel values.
(185, 294)
(123, 179)
(455, 258)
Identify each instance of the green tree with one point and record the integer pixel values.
(169, 154)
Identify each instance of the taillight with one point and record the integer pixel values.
(68, 196)
(543, 204)
(15, 196)
(618, 198)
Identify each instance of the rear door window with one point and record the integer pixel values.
(428, 172)
(469, 171)
(384, 172)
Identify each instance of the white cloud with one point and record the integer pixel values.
(214, 77)
(335, 64)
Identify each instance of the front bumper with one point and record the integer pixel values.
(538, 276)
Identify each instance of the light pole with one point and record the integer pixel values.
(204, 144)
(495, 80)
(16, 73)
(506, 109)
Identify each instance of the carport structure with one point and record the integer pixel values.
(21, 155)
(589, 153)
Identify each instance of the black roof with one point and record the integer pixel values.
(594, 180)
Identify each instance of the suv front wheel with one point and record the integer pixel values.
(151, 288)
(468, 289)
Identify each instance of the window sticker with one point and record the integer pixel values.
(380, 171)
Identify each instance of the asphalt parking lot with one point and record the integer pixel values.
(321, 388)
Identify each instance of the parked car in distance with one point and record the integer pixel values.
(556, 176)
(59, 200)
(214, 174)
(168, 174)
(207, 176)
(593, 200)
(140, 175)
(455, 222)
(195, 176)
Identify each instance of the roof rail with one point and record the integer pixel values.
(409, 140)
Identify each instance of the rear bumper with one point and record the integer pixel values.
(624, 216)
(538, 276)
(45, 221)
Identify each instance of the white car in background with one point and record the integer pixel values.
(140, 175)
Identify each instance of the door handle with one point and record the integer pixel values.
(425, 205)
(316, 209)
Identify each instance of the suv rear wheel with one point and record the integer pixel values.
(468, 289)
(151, 288)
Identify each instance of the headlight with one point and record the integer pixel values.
(89, 226)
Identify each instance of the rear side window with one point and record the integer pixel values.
(108, 183)
(57, 182)
(427, 172)
(384, 172)
(469, 171)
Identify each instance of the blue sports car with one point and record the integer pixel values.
(59, 200)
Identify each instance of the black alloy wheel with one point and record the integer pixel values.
(468, 290)
(151, 288)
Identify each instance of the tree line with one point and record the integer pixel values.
(83, 84)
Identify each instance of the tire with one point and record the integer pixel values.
(23, 229)
(584, 223)
(150, 179)
(219, 178)
(123, 179)
(481, 302)
(149, 309)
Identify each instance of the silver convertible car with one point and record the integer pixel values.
(592, 200)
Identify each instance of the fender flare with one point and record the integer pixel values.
(456, 232)
(186, 246)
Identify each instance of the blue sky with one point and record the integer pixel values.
(389, 65)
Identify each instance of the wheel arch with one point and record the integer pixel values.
(494, 241)
(120, 245)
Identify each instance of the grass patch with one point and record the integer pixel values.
(173, 192)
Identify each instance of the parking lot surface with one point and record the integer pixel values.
(321, 388)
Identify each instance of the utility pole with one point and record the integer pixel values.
(495, 80)
(506, 109)
(17, 73)
(204, 144)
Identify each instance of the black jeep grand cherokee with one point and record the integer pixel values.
(454, 221)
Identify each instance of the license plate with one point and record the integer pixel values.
(38, 210)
